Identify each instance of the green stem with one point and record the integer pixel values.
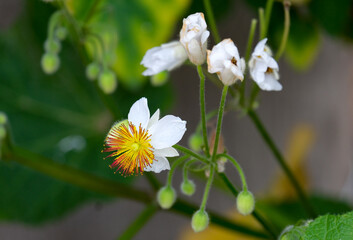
(247, 57)
(207, 188)
(110, 188)
(174, 166)
(282, 46)
(203, 109)
(280, 159)
(139, 222)
(219, 122)
(91, 11)
(268, 227)
(186, 168)
(238, 167)
(211, 20)
(268, 11)
(53, 23)
(191, 153)
(262, 23)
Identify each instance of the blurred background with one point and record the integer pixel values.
(62, 116)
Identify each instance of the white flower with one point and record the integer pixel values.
(194, 37)
(225, 61)
(144, 142)
(263, 68)
(166, 57)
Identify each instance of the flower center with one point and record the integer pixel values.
(131, 148)
(234, 61)
(269, 70)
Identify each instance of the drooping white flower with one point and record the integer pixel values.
(263, 68)
(143, 142)
(194, 37)
(166, 57)
(224, 60)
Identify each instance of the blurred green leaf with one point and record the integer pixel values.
(129, 28)
(303, 43)
(59, 116)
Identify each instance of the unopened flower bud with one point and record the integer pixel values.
(221, 162)
(159, 79)
(195, 142)
(199, 221)
(166, 197)
(107, 81)
(188, 187)
(50, 63)
(92, 71)
(245, 202)
(52, 46)
(2, 132)
(61, 33)
(3, 118)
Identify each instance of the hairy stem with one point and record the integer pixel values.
(280, 159)
(174, 166)
(203, 110)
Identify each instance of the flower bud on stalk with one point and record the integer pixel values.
(199, 221)
(61, 33)
(159, 79)
(92, 71)
(50, 63)
(188, 187)
(245, 202)
(3, 118)
(107, 81)
(52, 46)
(166, 197)
(195, 142)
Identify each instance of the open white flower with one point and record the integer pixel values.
(263, 68)
(194, 37)
(142, 143)
(166, 57)
(225, 61)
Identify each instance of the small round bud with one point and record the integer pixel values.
(2, 132)
(92, 71)
(159, 79)
(188, 187)
(3, 118)
(61, 33)
(199, 221)
(107, 81)
(245, 202)
(166, 197)
(50, 63)
(52, 46)
(195, 142)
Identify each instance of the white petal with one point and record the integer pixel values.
(204, 36)
(139, 113)
(166, 152)
(195, 52)
(270, 84)
(167, 132)
(154, 119)
(260, 47)
(159, 164)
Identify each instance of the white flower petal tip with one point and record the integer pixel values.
(166, 57)
(142, 143)
(193, 36)
(224, 60)
(263, 68)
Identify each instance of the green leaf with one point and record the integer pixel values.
(303, 42)
(51, 114)
(129, 28)
(331, 227)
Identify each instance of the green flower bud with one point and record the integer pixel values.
(166, 197)
(61, 33)
(188, 187)
(199, 221)
(2, 132)
(3, 118)
(245, 202)
(160, 78)
(92, 71)
(195, 142)
(52, 46)
(107, 81)
(50, 63)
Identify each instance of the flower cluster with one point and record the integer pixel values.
(223, 59)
